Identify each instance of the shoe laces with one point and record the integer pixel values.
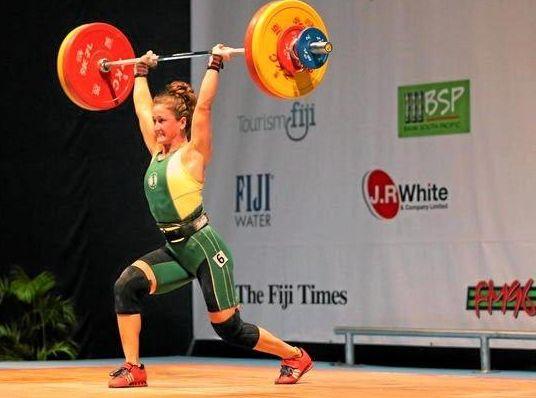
(286, 370)
(121, 371)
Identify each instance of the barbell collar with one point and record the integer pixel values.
(321, 47)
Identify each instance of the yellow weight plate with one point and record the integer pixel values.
(270, 23)
(248, 47)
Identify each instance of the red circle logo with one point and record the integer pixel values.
(381, 194)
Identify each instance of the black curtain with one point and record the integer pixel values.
(71, 191)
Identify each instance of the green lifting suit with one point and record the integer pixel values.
(175, 197)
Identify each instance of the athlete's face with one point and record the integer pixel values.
(166, 127)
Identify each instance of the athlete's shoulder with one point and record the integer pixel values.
(189, 154)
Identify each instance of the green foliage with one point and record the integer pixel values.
(34, 322)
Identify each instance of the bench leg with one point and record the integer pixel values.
(349, 348)
(484, 354)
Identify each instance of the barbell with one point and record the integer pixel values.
(286, 50)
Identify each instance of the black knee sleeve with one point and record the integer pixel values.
(235, 331)
(129, 290)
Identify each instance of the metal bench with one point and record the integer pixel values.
(483, 335)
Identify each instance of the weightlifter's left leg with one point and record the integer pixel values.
(156, 272)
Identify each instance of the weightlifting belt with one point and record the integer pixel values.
(177, 232)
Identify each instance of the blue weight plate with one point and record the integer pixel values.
(309, 59)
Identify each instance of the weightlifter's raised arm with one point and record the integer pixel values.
(143, 102)
(201, 121)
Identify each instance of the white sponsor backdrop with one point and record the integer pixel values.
(412, 271)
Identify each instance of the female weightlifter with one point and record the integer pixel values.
(177, 130)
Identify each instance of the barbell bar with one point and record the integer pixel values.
(106, 64)
(318, 47)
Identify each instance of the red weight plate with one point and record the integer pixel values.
(285, 50)
(79, 66)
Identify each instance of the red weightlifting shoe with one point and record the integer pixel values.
(128, 375)
(293, 369)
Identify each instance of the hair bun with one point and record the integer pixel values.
(179, 89)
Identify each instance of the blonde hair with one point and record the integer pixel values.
(179, 97)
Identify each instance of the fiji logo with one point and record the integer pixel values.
(252, 200)
(296, 123)
(301, 117)
(152, 180)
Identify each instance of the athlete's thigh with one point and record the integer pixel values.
(215, 273)
(170, 275)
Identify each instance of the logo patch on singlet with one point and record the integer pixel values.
(152, 180)
(220, 258)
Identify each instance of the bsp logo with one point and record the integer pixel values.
(434, 108)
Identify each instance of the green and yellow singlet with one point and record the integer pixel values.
(175, 196)
(172, 192)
